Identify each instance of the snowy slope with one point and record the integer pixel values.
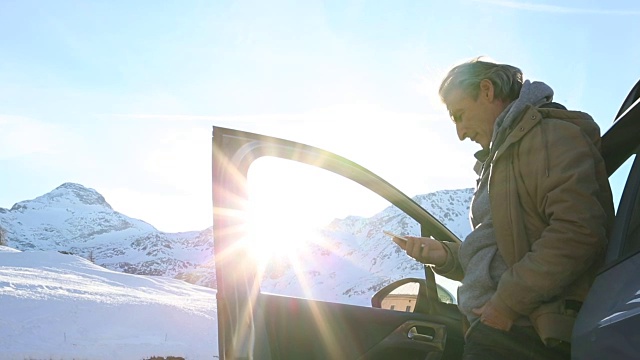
(57, 306)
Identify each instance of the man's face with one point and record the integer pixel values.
(474, 119)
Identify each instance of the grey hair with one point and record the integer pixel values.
(506, 79)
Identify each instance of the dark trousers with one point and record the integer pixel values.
(520, 343)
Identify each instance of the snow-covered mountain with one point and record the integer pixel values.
(355, 259)
(78, 220)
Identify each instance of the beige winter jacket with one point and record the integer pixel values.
(552, 209)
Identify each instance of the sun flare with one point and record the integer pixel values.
(269, 240)
(281, 222)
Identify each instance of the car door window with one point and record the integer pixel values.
(317, 235)
(624, 239)
(283, 227)
(632, 236)
(632, 245)
(618, 179)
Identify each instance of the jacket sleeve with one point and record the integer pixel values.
(560, 167)
(452, 268)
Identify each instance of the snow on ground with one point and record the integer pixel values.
(55, 306)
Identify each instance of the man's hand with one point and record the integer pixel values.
(490, 316)
(424, 249)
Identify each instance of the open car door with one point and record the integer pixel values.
(296, 283)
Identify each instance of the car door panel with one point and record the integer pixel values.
(300, 328)
(253, 324)
(609, 319)
(608, 324)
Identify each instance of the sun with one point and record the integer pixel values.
(280, 222)
(269, 238)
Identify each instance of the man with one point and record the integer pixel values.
(540, 214)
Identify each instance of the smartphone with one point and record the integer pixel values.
(389, 233)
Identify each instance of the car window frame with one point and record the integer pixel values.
(618, 238)
(232, 154)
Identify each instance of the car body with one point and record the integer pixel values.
(257, 324)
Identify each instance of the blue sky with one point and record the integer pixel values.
(120, 96)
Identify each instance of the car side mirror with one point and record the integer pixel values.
(408, 295)
(401, 295)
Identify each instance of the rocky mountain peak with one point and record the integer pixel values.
(65, 195)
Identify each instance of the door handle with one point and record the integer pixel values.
(430, 341)
(414, 335)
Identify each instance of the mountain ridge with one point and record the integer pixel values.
(78, 220)
(75, 219)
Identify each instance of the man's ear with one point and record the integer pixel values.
(486, 90)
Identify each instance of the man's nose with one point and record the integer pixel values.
(462, 134)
